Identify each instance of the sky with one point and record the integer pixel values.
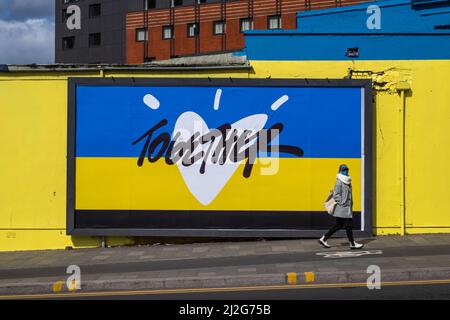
(27, 31)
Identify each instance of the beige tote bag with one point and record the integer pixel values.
(330, 203)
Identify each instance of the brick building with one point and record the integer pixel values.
(138, 31)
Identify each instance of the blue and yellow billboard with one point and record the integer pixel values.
(214, 157)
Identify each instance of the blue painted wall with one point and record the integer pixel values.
(407, 33)
(397, 16)
(334, 47)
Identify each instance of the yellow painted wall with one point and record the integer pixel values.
(33, 118)
(427, 138)
(33, 141)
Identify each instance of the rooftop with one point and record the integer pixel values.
(231, 60)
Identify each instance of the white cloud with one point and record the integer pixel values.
(25, 42)
(26, 9)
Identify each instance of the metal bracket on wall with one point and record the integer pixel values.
(197, 25)
(172, 25)
(278, 7)
(402, 88)
(223, 17)
(307, 5)
(146, 32)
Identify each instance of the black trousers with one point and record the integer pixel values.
(341, 223)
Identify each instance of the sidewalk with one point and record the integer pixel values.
(226, 264)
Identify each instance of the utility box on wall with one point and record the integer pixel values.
(214, 157)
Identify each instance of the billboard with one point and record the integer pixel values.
(214, 157)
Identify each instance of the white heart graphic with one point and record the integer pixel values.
(206, 186)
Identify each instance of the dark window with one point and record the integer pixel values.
(95, 39)
(442, 27)
(141, 35)
(202, 1)
(246, 24)
(177, 3)
(95, 10)
(192, 30)
(274, 22)
(149, 4)
(219, 27)
(68, 43)
(167, 32)
(426, 2)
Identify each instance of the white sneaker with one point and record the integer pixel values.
(356, 245)
(324, 243)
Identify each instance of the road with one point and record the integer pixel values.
(390, 291)
(173, 268)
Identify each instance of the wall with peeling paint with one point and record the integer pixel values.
(427, 121)
(33, 165)
(33, 215)
(33, 132)
(409, 54)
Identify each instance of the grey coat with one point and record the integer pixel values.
(344, 198)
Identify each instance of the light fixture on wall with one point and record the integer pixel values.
(352, 52)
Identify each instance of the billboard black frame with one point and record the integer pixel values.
(72, 229)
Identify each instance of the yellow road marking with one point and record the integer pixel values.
(57, 286)
(227, 289)
(309, 277)
(291, 278)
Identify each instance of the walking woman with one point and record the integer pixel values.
(343, 211)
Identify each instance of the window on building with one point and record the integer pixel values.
(149, 4)
(246, 24)
(68, 43)
(219, 27)
(95, 39)
(95, 10)
(177, 3)
(425, 2)
(141, 34)
(274, 22)
(167, 32)
(442, 27)
(193, 30)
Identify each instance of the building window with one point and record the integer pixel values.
(442, 27)
(192, 30)
(246, 24)
(219, 27)
(149, 4)
(141, 35)
(95, 39)
(177, 3)
(167, 32)
(95, 10)
(274, 22)
(68, 43)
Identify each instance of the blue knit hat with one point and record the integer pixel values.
(343, 167)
